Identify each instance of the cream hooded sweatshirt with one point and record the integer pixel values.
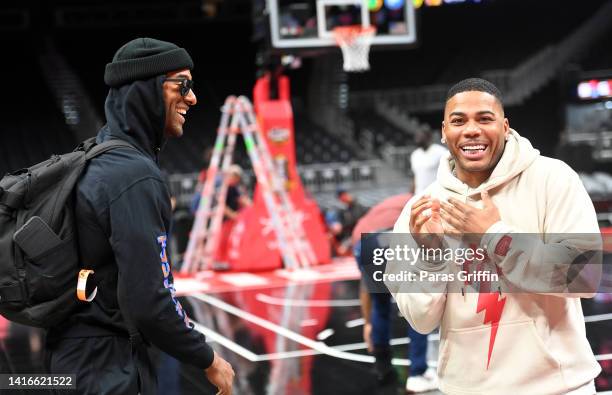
(539, 346)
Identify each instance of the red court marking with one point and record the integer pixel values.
(340, 269)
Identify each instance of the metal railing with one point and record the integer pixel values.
(399, 157)
(600, 141)
(327, 177)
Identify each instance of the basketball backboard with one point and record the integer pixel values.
(303, 24)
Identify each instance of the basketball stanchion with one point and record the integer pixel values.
(287, 212)
(265, 180)
(293, 245)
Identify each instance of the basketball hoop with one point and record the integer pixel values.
(354, 41)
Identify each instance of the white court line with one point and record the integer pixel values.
(229, 344)
(306, 303)
(213, 336)
(597, 318)
(351, 347)
(315, 345)
(325, 333)
(354, 323)
(355, 302)
(309, 322)
(224, 341)
(343, 347)
(243, 279)
(288, 354)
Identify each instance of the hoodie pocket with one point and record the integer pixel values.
(519, 360)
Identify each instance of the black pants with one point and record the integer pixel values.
(105, 365)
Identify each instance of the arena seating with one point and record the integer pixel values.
(315, 145)
(34, 129)
(439, 58)
(599, 56)
(375, 132)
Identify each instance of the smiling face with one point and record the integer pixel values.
(176, 105)
(475, 130)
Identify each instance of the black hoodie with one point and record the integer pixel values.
(123, 216)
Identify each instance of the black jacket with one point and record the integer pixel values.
(123, 216)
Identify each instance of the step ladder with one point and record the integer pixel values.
(238, 118)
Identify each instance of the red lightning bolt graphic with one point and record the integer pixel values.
(493, 310)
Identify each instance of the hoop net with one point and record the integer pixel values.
(355, 41)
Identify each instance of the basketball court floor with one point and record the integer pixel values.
(293, 332)
(301, 332)
(290, 333)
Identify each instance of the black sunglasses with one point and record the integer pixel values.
(186, 85)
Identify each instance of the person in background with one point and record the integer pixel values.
(424, 162)
(236, 199)
(377, 307)
(425, 159)
(341, 222)
(237, 196)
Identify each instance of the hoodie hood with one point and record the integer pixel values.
(518, 155)
(136, 113)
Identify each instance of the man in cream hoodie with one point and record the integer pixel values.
(528, 214)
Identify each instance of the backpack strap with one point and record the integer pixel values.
(94, 150)
(10, 199)
(86, 144)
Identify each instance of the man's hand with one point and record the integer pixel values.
(426, 227)
(335, 228)
(221, 375)
(465, 219)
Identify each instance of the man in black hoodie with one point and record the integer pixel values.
(123, 215)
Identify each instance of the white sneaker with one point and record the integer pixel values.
(431, 374)
(428, 381)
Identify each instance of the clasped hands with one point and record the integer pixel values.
(430, 219)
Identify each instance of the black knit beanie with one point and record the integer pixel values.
(144, 58)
